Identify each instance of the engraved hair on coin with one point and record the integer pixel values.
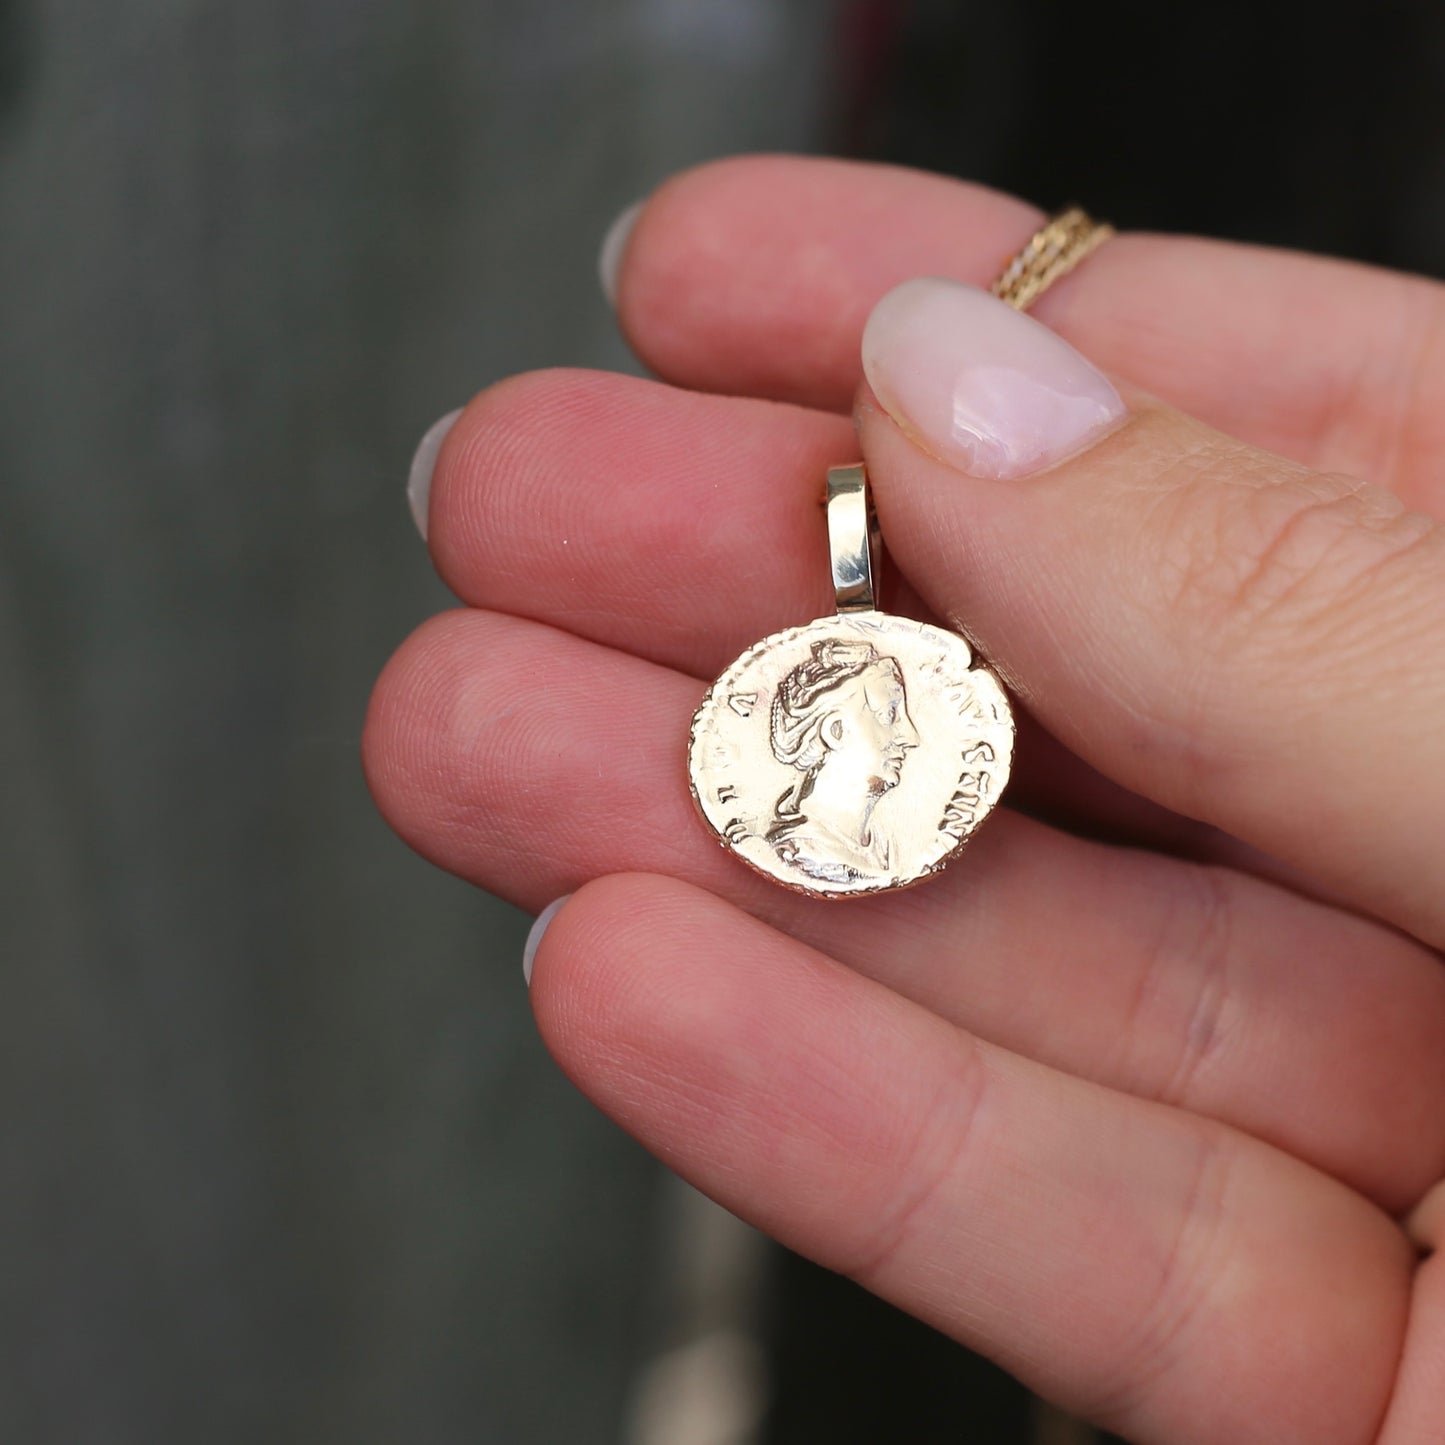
(841, 719)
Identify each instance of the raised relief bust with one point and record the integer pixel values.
(841, 719)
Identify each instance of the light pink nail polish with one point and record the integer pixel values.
(980, 385)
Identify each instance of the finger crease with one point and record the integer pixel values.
(1180, 1291)
(1212, 920)
(936, 1160)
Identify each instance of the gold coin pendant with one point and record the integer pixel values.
(857, 753)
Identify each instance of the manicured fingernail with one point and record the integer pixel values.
(614, 247)
(980, 385)
(534, 938)
(423, 464)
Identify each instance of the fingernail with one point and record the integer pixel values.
(423, 464)
(614, 247)
(534, 938)
(979, 384)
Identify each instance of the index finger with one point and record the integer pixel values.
(755, 275)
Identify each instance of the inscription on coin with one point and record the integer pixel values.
(851, 755)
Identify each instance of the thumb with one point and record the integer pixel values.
(1241, 639)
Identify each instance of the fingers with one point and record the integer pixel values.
(529, 762)
(678, 526)
(755, 276)
(1241, 640)
(684, 527)
(1167, 1276)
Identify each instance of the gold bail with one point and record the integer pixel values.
(852, 538)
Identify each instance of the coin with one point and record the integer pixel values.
(851, 755)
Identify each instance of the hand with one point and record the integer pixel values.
(1131, 1100)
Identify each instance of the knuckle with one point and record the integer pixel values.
(1374, 404)
(1206, 918)
(926, 1162)
(1176, 1297)
(1253, 553)
(1177, 1022)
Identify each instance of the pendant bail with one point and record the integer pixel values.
(852, 539)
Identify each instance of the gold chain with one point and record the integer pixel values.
(1052, 251)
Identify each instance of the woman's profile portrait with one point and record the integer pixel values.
(841, 719)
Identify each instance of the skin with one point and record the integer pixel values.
(1134, 1105)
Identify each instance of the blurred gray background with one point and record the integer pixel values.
(282, 1157)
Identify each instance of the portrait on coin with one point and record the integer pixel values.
(840, 718)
